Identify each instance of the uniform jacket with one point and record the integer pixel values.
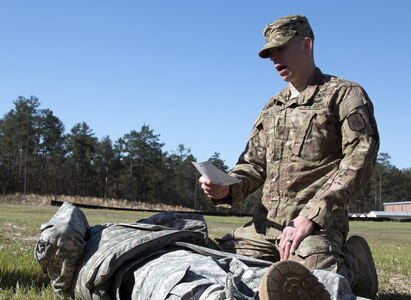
(311, 153)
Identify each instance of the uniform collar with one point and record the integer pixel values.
(308, 93)
(283, 97)
(311, 89)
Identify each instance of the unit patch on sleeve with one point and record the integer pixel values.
(356, 122)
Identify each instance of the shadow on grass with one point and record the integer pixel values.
(10, 280)
(393, 297)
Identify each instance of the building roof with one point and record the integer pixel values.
(397, 203)
(386, 214)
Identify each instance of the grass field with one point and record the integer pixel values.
(21, 276)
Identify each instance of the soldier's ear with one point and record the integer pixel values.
(308, 43)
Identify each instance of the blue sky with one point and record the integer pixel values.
(190, 69)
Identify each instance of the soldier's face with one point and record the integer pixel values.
(290, 61)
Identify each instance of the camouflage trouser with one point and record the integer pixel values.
(317, 251)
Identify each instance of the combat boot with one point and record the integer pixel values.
(367, 282)
(289, 280)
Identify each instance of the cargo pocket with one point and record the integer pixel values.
(320, 252)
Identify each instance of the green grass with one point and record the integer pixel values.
(390, 243)
(22, 278)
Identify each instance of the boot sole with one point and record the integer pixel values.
(289, 280)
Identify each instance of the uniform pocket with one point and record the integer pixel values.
(319, 251)
(317, 243)
(316, 138)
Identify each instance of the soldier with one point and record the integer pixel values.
(312, 147)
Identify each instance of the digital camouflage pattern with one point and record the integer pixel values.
(283, 30)
(111, 247)
(61, 245)
(180, 221)
(311, 153)
(336, 285)
(195, 276)
(145, 260)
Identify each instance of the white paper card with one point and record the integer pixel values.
(215, 175)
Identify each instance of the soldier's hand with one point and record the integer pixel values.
(293, 234)
(213, 191)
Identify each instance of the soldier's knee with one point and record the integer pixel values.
(319, 252)
(329, 261)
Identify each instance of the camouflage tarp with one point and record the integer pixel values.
(167, 256)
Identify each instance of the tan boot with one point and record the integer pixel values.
(367, 283)
(289, 280)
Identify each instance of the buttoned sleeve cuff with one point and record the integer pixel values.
(318, 214)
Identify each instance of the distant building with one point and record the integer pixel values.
(389, 215)
(392, 211)
(403, 207)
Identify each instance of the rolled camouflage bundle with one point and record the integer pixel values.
(166, 255)
(61, 245)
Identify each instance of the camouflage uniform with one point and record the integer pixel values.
(311, 153)
(166, 256)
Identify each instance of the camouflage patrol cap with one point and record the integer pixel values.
(282, 30)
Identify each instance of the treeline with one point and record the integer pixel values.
(38, 156)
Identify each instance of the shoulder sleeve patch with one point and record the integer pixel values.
(356, 122)
(349, 104)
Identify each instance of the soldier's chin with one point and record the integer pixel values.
(284, 74)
